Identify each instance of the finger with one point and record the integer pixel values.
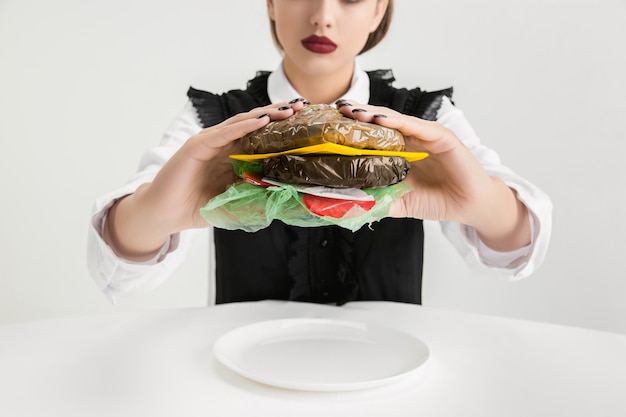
(236, 127)
(429, 132)
(221, 135)
(372, 114)
(363, 112)
(276, 111)
(410, 126)
(284, 110)
(387, 117)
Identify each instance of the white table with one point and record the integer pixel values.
(161, 364)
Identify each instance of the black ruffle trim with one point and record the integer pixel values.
(416, 102)
(214, 108)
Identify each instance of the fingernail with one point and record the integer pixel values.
(341, 100)
(384, 116)
(295, 100)
(306, 102)
(263, 115)
(284, 108)
(343, 103)
(357, 110)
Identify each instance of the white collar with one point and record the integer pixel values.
(279, 89)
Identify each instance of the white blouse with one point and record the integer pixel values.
(116, 276)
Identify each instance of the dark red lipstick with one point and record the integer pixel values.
(319, 44)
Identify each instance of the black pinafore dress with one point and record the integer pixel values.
(382, 262)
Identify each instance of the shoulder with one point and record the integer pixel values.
(212, 108)
(413, 101)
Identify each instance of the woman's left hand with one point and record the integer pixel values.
(450, 184)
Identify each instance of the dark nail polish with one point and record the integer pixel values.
(341, 104)
(358, 110)
(295, 100)
(306, 103)
(263, 115)
(284, 108)
(383, 116)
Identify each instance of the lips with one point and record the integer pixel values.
(319, 44)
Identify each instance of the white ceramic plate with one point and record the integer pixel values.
(320, 354)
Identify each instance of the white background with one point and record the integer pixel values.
(86, 87)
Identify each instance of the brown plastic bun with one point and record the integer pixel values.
(337, 171)
(317, 124)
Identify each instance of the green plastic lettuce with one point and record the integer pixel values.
(248, 207)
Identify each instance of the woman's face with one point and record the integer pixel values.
(322, 36)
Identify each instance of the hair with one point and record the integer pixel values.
(374, 38)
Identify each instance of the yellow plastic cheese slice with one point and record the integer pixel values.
(333, 148)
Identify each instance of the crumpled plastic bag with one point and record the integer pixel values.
(337, 171)
(320, 123)
(248, 207)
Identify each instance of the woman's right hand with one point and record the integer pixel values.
(138, 225)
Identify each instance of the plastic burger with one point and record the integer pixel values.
(326, 168)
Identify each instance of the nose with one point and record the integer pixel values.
(323, 13)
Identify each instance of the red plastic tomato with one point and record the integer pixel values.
(334, 207)
(255, 179)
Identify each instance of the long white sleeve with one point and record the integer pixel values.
(516, 264)
(114, 275)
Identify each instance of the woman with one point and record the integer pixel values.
(140, 232)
